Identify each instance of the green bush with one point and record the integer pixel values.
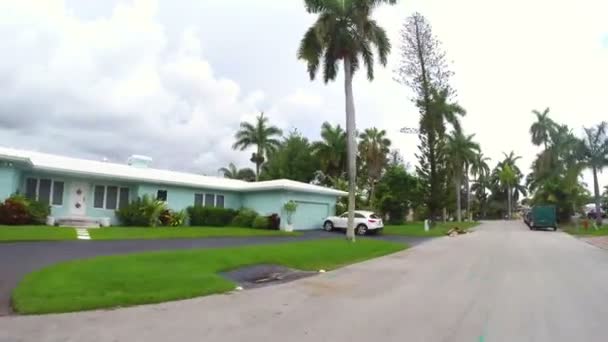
(215, 217)
(170, 218)
(143, 212)
(18, 210)
(261, 222)
(244, 218)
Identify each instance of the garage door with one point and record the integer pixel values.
(310, 215)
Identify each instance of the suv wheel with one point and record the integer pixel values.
(328, 226)
(361, 229)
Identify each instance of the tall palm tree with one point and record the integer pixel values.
(374, 149)
(479, 170)
(507, 179)
(595, 157)
(461, 151)
(331, 150)
(543, 127)
(508, 176)
(232, 172)
(261, 135)
(344, 31)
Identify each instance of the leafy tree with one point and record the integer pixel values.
(594, 155)
(424, 69)
(262, 136)
(543, 127)
(506, 177)
(374, 149)
(461, 150)
(397, 191)
(344, 31)
(293, 159)
(331, 150)
(480, 171)
(232, 172)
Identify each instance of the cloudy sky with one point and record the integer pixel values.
(173, 78)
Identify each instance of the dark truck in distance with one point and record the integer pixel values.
(541, 216)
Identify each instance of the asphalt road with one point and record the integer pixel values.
(500, 283)
(19, 259)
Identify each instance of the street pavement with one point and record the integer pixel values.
(502, 282)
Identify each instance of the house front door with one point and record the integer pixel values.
(78, 198)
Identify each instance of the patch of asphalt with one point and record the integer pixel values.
(255, 276)
(20, 258)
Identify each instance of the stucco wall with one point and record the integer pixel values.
(179, 198)
(9, 180)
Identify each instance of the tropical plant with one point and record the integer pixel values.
(290, 208)
(397, 191)
(507, 179)
(344, 31)
(262, 136)
(594, 155)
(542, 129)
(374, 149)
(244, 218)
(18, 210)
(331, 150)
(480, 171)
(293, 159)
(462, 151)
(232, 172)
(143, 212)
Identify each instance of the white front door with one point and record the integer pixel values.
(78, 198)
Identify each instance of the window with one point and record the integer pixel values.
(123, 199)
(198, 200)
(110, 197)
(374, 216)
(57, 193)
(44, 190)
(357, 215)
(345, 215)
(209, 200)
(98, 200)
(161, 195)
(30, 188)
(219, 201)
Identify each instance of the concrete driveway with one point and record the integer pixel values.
(19, 259)
(500, 283)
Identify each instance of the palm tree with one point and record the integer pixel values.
(232, 172)
(508, 174)
(461, 150)
(595, 156)
(374, 149)
(331, 150)
(259, 134)
(541, 129)
(479, 170)
(344, 31)
(507, 179)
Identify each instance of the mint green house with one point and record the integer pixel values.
(83, 191)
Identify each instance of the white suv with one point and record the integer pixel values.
(365, 221)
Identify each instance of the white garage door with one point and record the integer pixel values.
(310, 215)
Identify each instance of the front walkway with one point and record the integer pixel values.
(597, 241)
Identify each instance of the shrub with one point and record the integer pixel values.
(215, 217)
(290, 208)
(19, 210)
(142, 212)
(244, 218)
(178, 218)
(274, 222)
(261, 222)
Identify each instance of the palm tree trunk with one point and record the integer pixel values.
(351, 145)
(596, 194)
(458, 200)
(509, 201)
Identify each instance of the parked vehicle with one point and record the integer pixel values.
(542, 216)
(365, 221)
(592, 215)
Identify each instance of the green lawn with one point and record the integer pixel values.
(417, 228)
(117, 281)
(572, 229)
(35, 233)
(45, 233)
(122, 233)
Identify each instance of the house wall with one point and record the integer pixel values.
(9, 180)
(179, 198)
(311, 212)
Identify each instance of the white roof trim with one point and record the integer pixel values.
(61, 164)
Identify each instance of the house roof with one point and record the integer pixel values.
(84, 167)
